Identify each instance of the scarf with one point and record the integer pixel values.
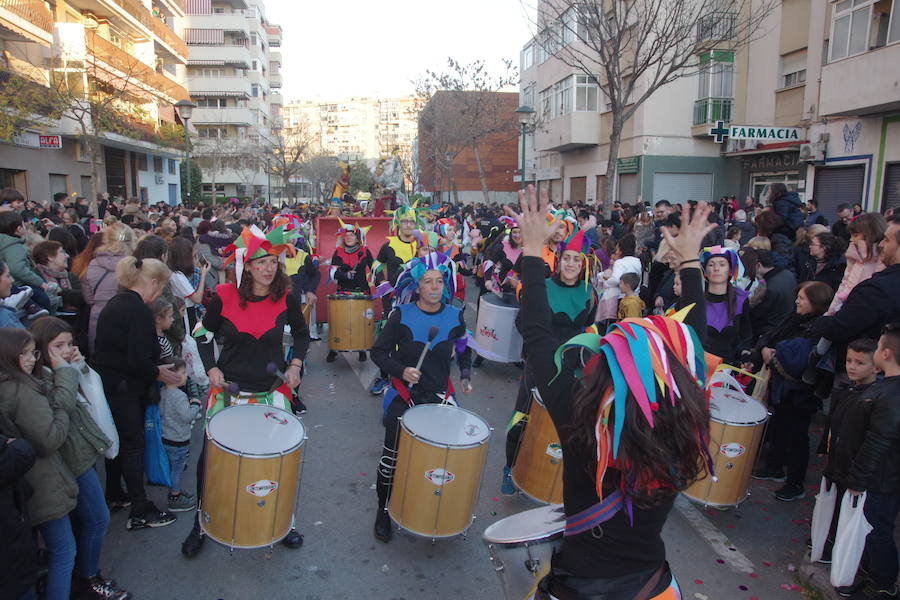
(60, 277)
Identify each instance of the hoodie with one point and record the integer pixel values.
(789, 208)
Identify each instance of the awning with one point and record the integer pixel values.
(206, 63)
(199, 7)
(220, 94)
(767, 148)
(204, 36)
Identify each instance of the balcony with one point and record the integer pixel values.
(137, 11)
(569, 132)
(865, 84)
(227, 22)
(239, 117)
(227, 86)
(274, 56)
(275, 80)
(133, 70)
(221, 54)
(30, 19)
(710, 110)
(275, 98)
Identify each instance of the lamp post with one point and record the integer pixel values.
(525, 114)
(268, 181)
(185, 109)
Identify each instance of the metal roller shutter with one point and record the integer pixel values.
(678, 188)
(628, 189)
(837, 185)
(556, 197)
(577, 189)
(891, 187)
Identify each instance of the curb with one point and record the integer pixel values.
(816, 576)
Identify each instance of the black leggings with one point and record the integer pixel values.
(788, 439)
(128, 415)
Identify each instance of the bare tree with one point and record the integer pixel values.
(632, 48)
(215, 154)
(461, 109)
(290, 148)
(321, 170)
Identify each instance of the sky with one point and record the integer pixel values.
(338, 49)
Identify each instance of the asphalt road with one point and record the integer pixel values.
(728, 555)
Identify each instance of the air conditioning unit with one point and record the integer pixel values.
(159, 179)
(812, 152)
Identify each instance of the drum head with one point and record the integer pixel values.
(446, 425)
(731, 406)
(256, 429)
(531, 525)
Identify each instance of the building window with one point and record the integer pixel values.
(793, 69)
(218, 10)
(528, 96)
(142, 162)
(894, 26)
(254, 90)
(562, 97)
(252, 39)
(569, 25)
(715, 94)
(157, 164)
(253, 68)
(212, 102)
(854, 29)
(795, 78)
(212, 133)
(528, 57)
(587, 94)
(220, 187)
(171, 166)
(545, 99)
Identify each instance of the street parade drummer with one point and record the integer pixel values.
(633, 422)
(350, 266)
(247, 319)
(423, 293)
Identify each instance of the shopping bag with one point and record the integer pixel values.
(156, 461)
(821, 517)
(194, 365)
(850, 540)
(91, 387)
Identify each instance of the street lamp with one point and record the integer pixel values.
(185, 109)
(525, 113)
(268, 181)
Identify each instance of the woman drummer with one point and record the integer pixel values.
(350, 266)
(638, 407)
(423, 293)
(248, 319)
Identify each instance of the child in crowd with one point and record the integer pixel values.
(630, 306)
(845, 426)
(177, 415)
(164, 315)
(875, 469)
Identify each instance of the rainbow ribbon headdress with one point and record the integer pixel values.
(408, 282)
(253, 243)
(737, 267)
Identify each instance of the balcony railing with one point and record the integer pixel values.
(33, 11)
(154, 24)
(710, 110)
(717, 26)
(132, 68)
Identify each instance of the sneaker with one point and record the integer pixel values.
(298, 406)
(507, 487)
(764, 474)
(479, 360)
(378, 386)
(332, 356)
(362, 356)
(18, 300)
(790, 492)
(857, 587)
(117, 504)
(192, 544)
(99, 587)
(151, 517)
(183, 502)
(36, 312)
(872, 591)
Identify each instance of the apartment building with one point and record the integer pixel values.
(811, 102)
(130, 49)
(357, 129)
(234, 76)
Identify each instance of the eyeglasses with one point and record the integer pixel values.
(891, 328)
(35, 354)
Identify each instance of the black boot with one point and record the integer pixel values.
(332, 356)
(362, 356)
(192, 544)
(292, 540)
(383, 530)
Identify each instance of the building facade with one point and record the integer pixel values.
(234, 76)
(124, 55)
(814, 95)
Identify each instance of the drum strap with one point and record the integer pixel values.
(595, 515)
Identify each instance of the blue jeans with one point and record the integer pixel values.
(91, 517)
(60, 543)
(178, 456)
(881, 550)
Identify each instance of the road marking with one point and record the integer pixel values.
(365, 371)
(713, 536)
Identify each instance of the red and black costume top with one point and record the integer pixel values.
(357, 261)
(251, 336)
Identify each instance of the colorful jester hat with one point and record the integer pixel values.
(411, 212)
(443, 226)
(737, 267)
(555, 216)
(636, 353)
(353, 228)
(579, 243)
(509, 222)
(253, 243)
(292, 222)
(408, 281)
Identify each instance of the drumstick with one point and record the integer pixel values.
(432, 333)
(233, 390)
(272, 369)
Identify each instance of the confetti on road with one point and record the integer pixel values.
(698, 581)
(767, 563)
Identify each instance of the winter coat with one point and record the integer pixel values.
(790, 209)
(85, 442)
(43, 421)
(99, 285)
(876, 467)
(16, 256)
(18, 564)
(777, 301)
(793, 341)
(832, 272)
(9, 318)
(748, 231)
(859, 268)
(845, 429)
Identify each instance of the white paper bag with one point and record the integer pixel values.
(91, 387)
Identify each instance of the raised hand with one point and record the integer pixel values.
(686, 240)
(533, 221)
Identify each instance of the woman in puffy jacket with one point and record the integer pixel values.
(99, 282)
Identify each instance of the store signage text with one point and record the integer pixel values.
(33, 140)
(753, 132)
(784, 161)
